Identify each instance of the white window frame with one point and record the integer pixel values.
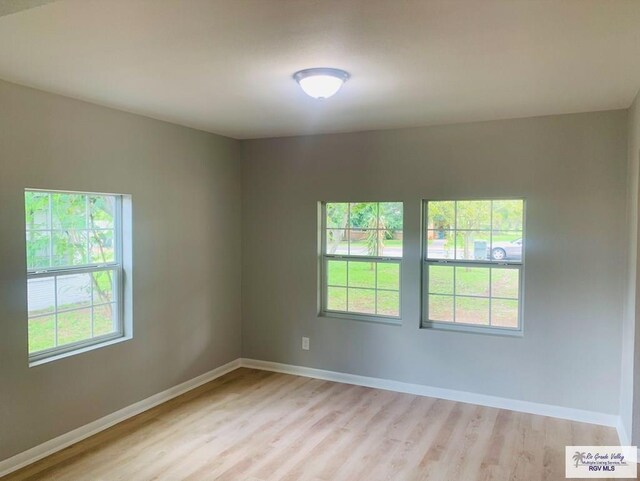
(427, 323)
(54, 272)
(324, 262)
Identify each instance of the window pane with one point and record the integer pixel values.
(441, 215)
(69, 211)
(337, 298)
(473, 214)
(388, 276)
(390, 244)
(472, 310)
(390, 216)
(440, 244)
(472, 281)
(337, 273)
(504, 313)
(508, 214)
(388, 303)
(364, 215)
(102, 211)
(441, 280)
(363, 242)
(41, 333)
(69, 248)
(104, 320)
(74, 326)
(41, 296)
(102, 246)
(74, 291)
(441, 308)
(362, 300)
(472, 245)
(337, 215)
(103, 286)
(362, 274)
(506, 246)
(337, 242)
(36, 210)
(505, 283)
(38, 245)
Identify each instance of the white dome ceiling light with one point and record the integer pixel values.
(321, 83)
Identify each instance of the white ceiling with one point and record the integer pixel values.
(225, 66)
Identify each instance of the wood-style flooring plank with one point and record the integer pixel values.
(252, 425)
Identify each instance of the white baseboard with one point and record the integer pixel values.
(57, 444)
(622, 434)
(580, 415)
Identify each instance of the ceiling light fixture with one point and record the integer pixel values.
(321, 83)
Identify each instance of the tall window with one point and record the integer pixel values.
(361, 260)
(74, 270)
(473, 261)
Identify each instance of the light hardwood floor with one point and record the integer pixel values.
(254, 425)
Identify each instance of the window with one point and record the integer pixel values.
(473, 261)
(361, 257)
(74, 270)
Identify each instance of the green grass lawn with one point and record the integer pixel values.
(74, 318)
(360, 290)
(73, 326)
(473, 281)
(469, 310)
(506, 237)
(360, 247)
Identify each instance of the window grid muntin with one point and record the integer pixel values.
(326, 257)
(89, 229)
(348, 229)
(116, 303)
(490, 297)
(485, 263)
(56, 271)
(91, 306)
(347, 287)
(455, 230)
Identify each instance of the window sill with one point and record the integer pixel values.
(362, 318)
(80, 350)
(470, 329)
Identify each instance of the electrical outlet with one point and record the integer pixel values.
(305, 343)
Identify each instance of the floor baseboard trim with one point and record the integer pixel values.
(622, 433)
(591, 417)
(52, 446)
(61, 442)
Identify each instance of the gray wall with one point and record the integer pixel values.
(185, 187)
(570, 168)
(630, 393)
